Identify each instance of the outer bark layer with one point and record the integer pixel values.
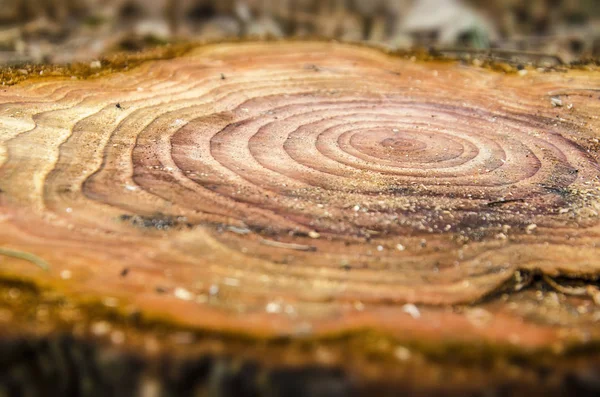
(301, 189)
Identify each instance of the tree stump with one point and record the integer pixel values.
(262, 218)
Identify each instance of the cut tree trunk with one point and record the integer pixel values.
(329, 216)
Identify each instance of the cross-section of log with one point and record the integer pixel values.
(307, 190)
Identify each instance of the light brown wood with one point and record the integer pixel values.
(312, 188)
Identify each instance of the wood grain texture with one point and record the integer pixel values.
(313, 188)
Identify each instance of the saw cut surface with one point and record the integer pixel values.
(285, 188)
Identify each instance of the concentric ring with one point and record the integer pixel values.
(248, 180)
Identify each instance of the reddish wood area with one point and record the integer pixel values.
(313, 189)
